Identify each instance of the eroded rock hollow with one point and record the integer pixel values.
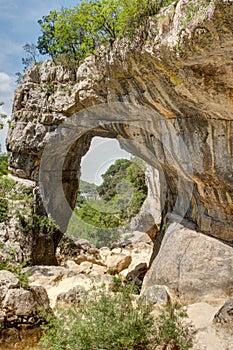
(167, 96)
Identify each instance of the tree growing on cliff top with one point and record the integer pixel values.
(77, 32)
(80, 31)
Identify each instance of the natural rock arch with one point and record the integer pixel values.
(140, 131)
(183, 76)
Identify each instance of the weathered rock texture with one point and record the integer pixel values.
(20, 309)
(181, 70)
(192, 264)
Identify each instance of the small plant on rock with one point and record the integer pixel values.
(17, 269)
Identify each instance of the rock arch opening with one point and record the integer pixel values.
(112, 190)
(139, 133)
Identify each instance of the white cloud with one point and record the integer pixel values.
(7, 86)
(102, 153)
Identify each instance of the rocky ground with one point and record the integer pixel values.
(83, 266)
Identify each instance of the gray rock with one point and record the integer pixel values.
(156, 295)
(192, 264)
(73, 295)
(8, 279)
(25, 303)
(20, 314)
(225, 314)
(19, 302)
(149, 217)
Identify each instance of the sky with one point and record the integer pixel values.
(18, 26)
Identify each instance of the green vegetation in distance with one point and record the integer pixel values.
(2, 117)
(102, 210)
(75, 33)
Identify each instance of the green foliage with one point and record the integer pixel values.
(2, 117)
(3, 209)
(6, 185)
(170, 329)
(75, 33)
(39, 224)
(110, 319)
(120, 285)
(88, 188)
(134, 14)
(17, 269)
(121, 195)
(3, 164)
(99, 236)
(124, 187)
(103, 320)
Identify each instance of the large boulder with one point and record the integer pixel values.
(21, 309)
(192, 264)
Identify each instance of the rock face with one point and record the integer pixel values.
(207, 335)
(149, 218)
(20, 309)
(192, 264)
(175, 94)
(225, 314)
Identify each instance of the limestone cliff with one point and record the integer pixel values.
(181, 69)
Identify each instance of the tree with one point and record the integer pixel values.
(2, 117)
(31, 58)
(77, 32)
(120, 198)
(32, 55)
(47, 41)
(80, 31)
(112, 177)
(134, 13)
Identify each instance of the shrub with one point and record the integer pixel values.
(3, 209)
(6, 185)
(17, 269)
(110, 320)
(104, 320)
(3, 164)
(170, 330)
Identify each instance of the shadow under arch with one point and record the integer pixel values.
(140, 131)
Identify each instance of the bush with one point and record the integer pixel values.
(6, 185)
(110, 320)
(3, 209)
(17, 269)
(170, 330)
(104, 320)
(3, 164)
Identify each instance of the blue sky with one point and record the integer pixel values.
(18, 26)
